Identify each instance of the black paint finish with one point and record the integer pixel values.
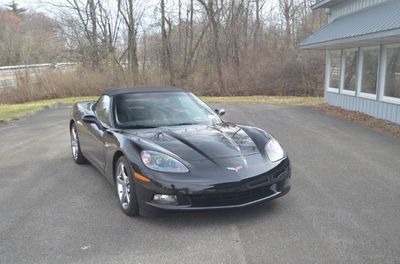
(206, 150)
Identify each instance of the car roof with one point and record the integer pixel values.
(143, 89)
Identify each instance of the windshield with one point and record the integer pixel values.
(148, 110)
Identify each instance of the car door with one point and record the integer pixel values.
(97, 141)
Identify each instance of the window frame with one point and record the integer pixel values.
(343, 72)
(384, 98)
(328, 70)
(361, 72)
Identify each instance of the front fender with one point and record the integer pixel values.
(117, 146)
(259, 137)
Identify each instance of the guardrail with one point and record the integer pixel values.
(8, 74)
(32, 66)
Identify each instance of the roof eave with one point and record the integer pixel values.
(325, 4)
(372, 37)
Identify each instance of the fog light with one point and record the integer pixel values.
(286, 183)
(165, 198)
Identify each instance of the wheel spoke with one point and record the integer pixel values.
(120, 181)
(120, 171)
(74, 143)
(123, 173)
(74, 135)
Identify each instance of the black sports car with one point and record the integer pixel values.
(164, 149)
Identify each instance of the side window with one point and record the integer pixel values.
(103, 109)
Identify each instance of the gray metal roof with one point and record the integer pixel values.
(377, 22)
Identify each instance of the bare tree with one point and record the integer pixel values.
(109, 25)
(86, 13)
(257, 31)
(213, 11)
(289, 10)
(131, 15)
(166, 56)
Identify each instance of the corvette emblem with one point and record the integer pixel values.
(234, 168)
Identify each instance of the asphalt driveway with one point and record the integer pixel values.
(344, 206)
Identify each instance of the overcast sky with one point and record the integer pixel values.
(34, 4)
(149, 20)
(43, 6)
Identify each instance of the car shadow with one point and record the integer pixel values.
(227, 216)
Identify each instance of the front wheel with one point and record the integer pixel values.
(75, 146)
(126, 188)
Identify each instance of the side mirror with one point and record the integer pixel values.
(220, 111)
(91, 119)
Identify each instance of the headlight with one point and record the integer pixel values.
(274, 150)
(161, 162)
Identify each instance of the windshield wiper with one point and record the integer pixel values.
(140, 127)
(183, 124)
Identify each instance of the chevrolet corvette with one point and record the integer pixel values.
(165, 150)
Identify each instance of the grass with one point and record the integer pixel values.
(15, 111)
(294, 100)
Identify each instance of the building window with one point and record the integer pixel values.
(370, 62)
(392, 80)
(350, 57)
(334, 70)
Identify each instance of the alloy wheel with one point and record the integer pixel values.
(123, 186)
(74, 143)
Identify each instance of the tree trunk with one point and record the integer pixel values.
(211, 13)
(93, 38)
(166, 61)
(132, 44)
(257, 27)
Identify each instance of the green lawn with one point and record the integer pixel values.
(293, 100)
(15, 111)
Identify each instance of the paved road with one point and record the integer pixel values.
(8, 73)
(344, 206)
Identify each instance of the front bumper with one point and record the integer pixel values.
(258, 189)
(190, 208)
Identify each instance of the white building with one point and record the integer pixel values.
(362, 43)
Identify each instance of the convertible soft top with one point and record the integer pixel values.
(142, 89)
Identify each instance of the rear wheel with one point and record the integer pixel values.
(125, 187)
(75, 146)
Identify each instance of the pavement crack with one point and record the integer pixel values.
(240, 252)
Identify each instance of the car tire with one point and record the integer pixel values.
(125, 187)
(77, 155)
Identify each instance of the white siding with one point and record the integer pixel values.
(350, 6)
(373, 108)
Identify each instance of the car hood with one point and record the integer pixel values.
(200, 141)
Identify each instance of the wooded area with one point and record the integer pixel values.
(212, 47)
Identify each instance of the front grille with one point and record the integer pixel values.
(245, 191)
(234, 198)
